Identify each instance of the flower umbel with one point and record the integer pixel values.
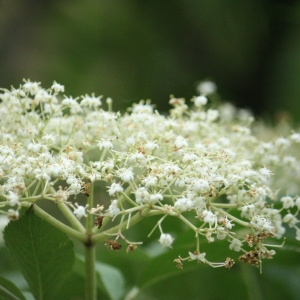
(201, 165)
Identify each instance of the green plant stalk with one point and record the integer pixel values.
(90, 253)
(59, 225)
(71, 217)
(121, 227)
(90, 261)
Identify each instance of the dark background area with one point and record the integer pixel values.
(138, 49)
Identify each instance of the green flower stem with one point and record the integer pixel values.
(224, 205)
(71, 217)
(59, 225)
(243, 223)
(123, 226)
(90, 272)
(90, 253)
(90, 217)
(188, 223)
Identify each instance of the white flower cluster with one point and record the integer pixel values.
(196, 160)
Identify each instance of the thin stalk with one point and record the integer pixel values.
(71, 217)
(122, 226)
(243, 223)
(59, 225)
(90, 273)
(90, 253)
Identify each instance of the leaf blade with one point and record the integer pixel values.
(112, 279)
(44, 254)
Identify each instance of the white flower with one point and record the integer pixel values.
(189, 157)
(35, 147)
(31, 87)
(287, 202)
(91, 101)
(151, 146)
(106, 144)
(221, 234)
(282, 142)
(290, 219)
(180, 142)
(297, 202)
(44, 97)
(166, 240)
(73, 104)
(115, 188)
(13, 214)
(125, 174)
(200, 185)
(13, 198)
(113, 209)
(3, 222)
(247, 210)
(49, 138)
(109, 101)
(209, 217)
(265, 172)
(150, 181)
(130, 141)
(61, 195)
(107, 166)
(198, 256)
(180, 183)
(71, 180)
(235, 245)
(212, 115)
(41, 174)
(74, 188)
(295, 137)
(138, 156)
(142, 108)
(57, 88)
(227, 223)
(156, 197)
(184, 204)
(142, 195)
(79, 212)
(207, 87)
(262, 224)
(200, 101)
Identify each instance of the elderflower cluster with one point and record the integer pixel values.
(201, 165)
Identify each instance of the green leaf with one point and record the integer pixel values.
(9, 291)
(112, 280)
(44, 254)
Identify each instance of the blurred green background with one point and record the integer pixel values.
(138, 49)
